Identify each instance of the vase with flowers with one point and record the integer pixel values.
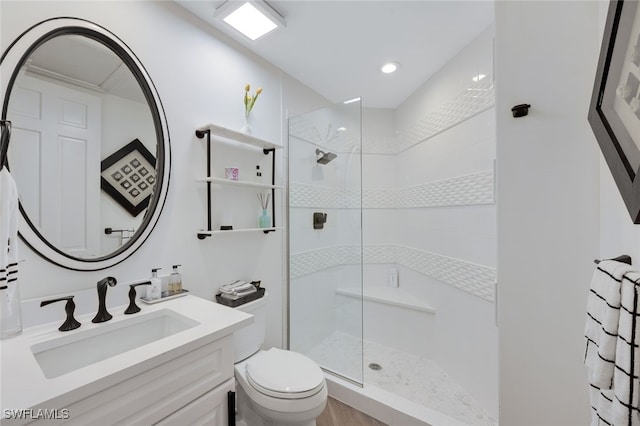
(249, 102)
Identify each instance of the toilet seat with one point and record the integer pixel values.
(284, 374)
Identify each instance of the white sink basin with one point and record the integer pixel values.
(82, 348)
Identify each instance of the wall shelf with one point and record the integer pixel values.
(205, 234)
(247, 139)
(237, 136)
(223, 181)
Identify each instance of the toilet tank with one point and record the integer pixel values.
(249, 339)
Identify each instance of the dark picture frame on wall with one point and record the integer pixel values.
(614, 113)
(129, 176)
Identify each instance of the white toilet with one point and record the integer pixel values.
(274, 387)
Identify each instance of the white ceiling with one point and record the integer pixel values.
(337, 47)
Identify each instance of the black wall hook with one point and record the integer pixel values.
(520, 110)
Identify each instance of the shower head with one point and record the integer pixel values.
(324, 157)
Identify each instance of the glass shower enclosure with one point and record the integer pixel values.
(325, 238)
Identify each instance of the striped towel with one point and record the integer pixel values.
(601, 334)
(8, 228)
(10, 321)
(626, 386)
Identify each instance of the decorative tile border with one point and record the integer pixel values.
(472, 101)
(472, 278)
(468, 190)
(311, 261)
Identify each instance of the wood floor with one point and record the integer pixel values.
(339, 414)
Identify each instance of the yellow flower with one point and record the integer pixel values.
(249, 101)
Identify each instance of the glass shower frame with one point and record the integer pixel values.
(325, 247)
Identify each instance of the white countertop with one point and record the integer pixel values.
(23, 384)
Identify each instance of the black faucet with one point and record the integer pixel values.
(102, 314)
(133, 308)
(70, 323)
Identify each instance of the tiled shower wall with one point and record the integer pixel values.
(428, 209)
(443, 160)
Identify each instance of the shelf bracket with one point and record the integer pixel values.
(273, 182)
(201, 134)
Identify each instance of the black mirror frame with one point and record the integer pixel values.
(612, 141)
(14, 56)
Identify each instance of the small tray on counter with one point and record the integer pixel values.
(183, 292)
(241, 301)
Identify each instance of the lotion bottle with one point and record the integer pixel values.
(154, 291)
(175, 281)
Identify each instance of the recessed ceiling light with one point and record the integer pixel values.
(341, 129)
(389, 67)
(253, 18)
(478, 77)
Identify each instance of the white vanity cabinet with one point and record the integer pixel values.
(210, 409)
(181, 379)
(166, 394)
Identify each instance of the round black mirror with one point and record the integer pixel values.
(89, 147)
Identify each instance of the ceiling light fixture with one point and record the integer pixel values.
(253, 18)
(390, 67)
(350, 101)
(478, 77)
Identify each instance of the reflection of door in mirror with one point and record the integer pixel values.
(60, 191)
(73, 104)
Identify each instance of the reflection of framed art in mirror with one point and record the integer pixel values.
(129, 175)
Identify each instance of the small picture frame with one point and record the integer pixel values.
(128, 176)
(614, 113)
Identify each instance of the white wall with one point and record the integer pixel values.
(200, 77)
(548, 207)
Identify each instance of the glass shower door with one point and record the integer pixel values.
(325, 238)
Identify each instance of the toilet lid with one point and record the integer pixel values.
(284, 374)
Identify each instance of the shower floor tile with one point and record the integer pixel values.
(414, 378)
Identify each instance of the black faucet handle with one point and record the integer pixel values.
(70, 323)
(133, 308)
(111, 281)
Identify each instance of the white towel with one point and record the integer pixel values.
(601, 334)
(625, 408)
(237, 289)
(10, 320)
(8, 226)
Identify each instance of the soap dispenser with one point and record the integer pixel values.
(175, 281)
(154, 291)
